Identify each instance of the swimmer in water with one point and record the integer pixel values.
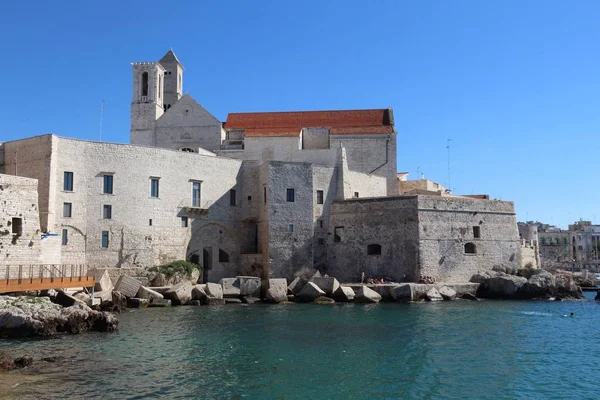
(572, 315)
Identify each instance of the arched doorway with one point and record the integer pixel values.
(208, 245)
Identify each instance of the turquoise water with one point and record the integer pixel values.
(458, 350)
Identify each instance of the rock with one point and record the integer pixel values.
(214, 290)
(193, 303)
(315, 275)
(566, 287)
(328, 285)
(180, 293)
(23, 362)
(310, 292)
(53, 359)
(103, 281)
(161, 289)
(447, 293)
(249, 285)
(403, 292)
(128, 286)
(502, 286)
(306, 273)
(433, 295)
(119, 300)
(231, 287)
(199, 292)
(250, 299)
(291, 298)
(481, 277)
(65, 300)
(297, 285)
(365, 295)
(159, 280)
(83, 297)
(538, 285)
(343, 294)
(134, 302)
(159, 303)
(147, 293)
(276, 294)
(469, 296)
(324, 300)
(210, 301)
(231, 300)
(103, 295)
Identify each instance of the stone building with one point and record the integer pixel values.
(261, 194)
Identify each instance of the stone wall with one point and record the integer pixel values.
(19, 221)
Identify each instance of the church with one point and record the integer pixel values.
(263, 194)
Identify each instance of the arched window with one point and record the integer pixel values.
(145, 84)
(374, 250)
(223, 256)
(470, 248)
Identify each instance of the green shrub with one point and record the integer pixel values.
(181, 267)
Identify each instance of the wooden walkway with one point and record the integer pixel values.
(22, 278)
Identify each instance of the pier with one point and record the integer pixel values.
(21, 278)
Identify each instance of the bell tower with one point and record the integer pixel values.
(173, 79)
(147, 103)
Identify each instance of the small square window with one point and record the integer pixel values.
(108, 184)
(154, 187)
(232, 197)
(476, 232)
(107, 211)
(184, 222)
(290, 195)
(67, 208)
(105, 239)
(356, 195)
(68, 181)
(150, 222)
(17, 226)
(320, 223)
(290, 228)
(249, 198)
(65, 237)
(319, 197)
(337, 233)
(321, 242)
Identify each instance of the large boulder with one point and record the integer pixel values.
(249, 285)
(343, 294)
(173, 276)
(135, 302)
(277, 291)
(199, 292)
(538, 285)
(566, 287)
(503, 286)
(66, 300)
(447, 293)
(297, 285)
(482, 276)
(433, 295)
(329, 285)
(230, 286)
(119, 300)
(310, 292)
(147, 293)
(180, 293)
(214, 290)
(128, 286)
(365, 295)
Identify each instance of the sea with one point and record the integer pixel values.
(441, 350)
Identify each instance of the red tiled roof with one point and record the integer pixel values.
(306, 119)
(272, 132)
(362, 130)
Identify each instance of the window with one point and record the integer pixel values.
(107, 211)
(223, 256)
(290, 195)
(108, 184)
(188, 150)
(290, 228)
(374, 250)
(65, 237)
(249, 198)
(180, 81)
(265, 194)
(154, 187)
(68, 181)
(150, 222)
(338, 231)
(321, 241)
(67, 208)
(145, 84)
(105, 239)
(319, 197)
(320, 223)
(543, 240)
(476, 232)
(356, 194)
(184, 222)
(17, 226)
(470, 248)
(232, 197)
(195, 194)
(565, 241)
(160, 86)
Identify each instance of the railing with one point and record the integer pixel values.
(44, 276)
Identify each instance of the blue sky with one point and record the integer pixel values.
(514, 84)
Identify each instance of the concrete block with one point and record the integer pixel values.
(199, 292)
(433, 295)
(365, 295)
(127, 286)
(231, 300)
(447, 293)
(214, 290)
(103, 295)
(297, 285)
(231, 287)
(147, 293)
(65, 300)
(250, 300)
(159, 303)
(103, 281)
(134, 302)
(343, 294)
(277, 294)
(328, 285)
(310, 292)
(249, 285)
(179, 294)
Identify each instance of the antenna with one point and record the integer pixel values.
(448, 147)
(101, 117)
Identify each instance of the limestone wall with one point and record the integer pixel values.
(19, 221)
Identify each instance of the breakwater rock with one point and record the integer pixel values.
(525, 284)
(26, 316)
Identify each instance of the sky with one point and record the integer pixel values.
(515, 85)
